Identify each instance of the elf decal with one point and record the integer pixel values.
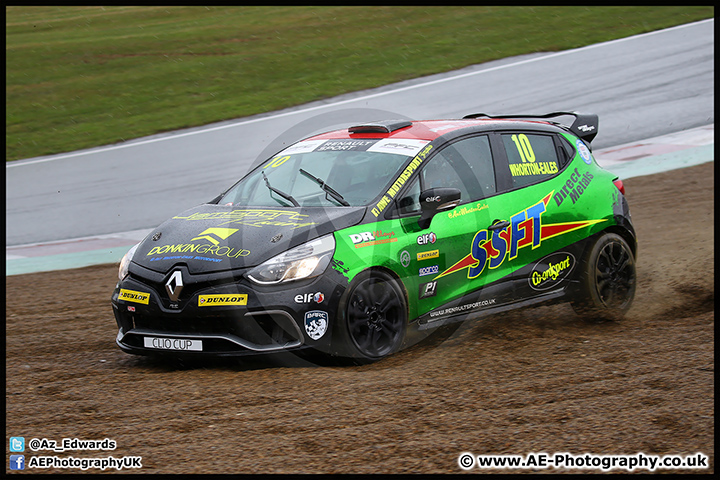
(491, 247)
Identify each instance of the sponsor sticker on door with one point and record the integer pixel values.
(551, 270)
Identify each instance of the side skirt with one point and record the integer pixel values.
(427, 321)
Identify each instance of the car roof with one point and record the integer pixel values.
(584, 126)
(420, 129)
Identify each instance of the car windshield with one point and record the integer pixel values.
(334, 172)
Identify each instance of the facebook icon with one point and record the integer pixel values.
(17, 444)
(17, 462)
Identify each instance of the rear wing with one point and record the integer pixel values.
(584, 126)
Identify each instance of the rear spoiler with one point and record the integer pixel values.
(584, 126)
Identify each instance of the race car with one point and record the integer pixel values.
(348, 241)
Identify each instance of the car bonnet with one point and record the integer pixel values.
(210, 238)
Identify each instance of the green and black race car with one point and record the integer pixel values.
(345, 241)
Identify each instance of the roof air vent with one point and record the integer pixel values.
(385, 126)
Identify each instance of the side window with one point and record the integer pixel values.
(466, 165)
(531, 157)
(410, 202)
(565, 150)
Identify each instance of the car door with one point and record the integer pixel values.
(454, 258)
(531, 167)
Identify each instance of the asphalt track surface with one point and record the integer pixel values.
(641, 87)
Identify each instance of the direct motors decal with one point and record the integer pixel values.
(526, 228)
(574, 187)
(551, 270)
(133, 296)
(316, 323)
(215, 300)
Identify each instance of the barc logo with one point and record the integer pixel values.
(316, 323)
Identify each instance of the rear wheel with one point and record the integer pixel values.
(373, 318)
(608, 280)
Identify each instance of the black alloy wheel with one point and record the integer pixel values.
(375, 316)
(608, 282)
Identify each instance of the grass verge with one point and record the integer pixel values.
(79, 77)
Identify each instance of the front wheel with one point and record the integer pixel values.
(373, 317)
(608, 280)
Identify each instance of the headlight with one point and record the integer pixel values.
(125, 262)
(304, 261)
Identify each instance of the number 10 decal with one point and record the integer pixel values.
(277, 161)
(522, 142)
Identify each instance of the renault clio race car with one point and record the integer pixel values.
(346, 241)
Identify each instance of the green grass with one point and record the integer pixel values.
(80, 77)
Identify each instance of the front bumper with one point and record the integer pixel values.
(270, 318)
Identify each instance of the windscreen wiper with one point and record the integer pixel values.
(286, 196)
(338, 198)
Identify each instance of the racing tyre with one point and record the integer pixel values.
(373, 318)
(607, 281)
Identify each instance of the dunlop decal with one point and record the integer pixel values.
(215, 300)
(133, 296)
(427, 255)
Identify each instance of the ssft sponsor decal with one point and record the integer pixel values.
(133, 296)
(218, 299)
(490, 250)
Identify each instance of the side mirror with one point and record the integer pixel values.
(436, 200)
